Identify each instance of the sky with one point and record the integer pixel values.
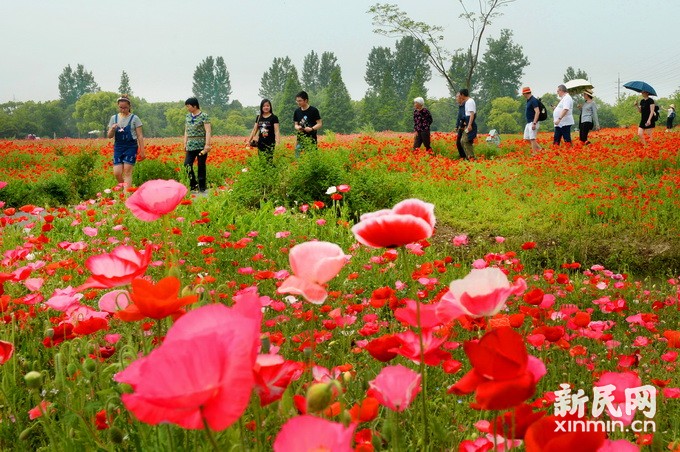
(159, 43)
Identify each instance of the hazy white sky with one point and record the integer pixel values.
(160, 42)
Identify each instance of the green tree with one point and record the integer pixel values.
(387, 108)
(505, 115)
(274, 79)
(389, 20)
(572, 74)
(458, 72)
(174, 121)
(310, 72)
(93, 111)
(327, 65)
(124, 87)
(410, 61)
(337, 111)
(379, 64)
(212, 85)
(625, 112)
(73, 84)
(501, 68)
(285, 103)
(444, 112)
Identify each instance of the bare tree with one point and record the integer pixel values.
(389, 20)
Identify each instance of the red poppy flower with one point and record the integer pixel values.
(155, 301)
(503, 374)
(382, 348)
(6, 351)
(543, 435)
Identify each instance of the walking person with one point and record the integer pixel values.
(589, 120)
(670, 118)
(563, 116)
(647, 117)
(422, 119)
(128, 145)
(460, 126)
(266, 129)
(470, 130)
(532, 113)
(307, 121)
(197, 137)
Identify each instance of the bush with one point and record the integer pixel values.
(374, 190)
(81, 171)
(56, 191)
(153, 169)
(261, 182)
(315, 172)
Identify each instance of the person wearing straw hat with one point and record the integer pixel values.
(532, 114)
(670, 117)
(589, 120)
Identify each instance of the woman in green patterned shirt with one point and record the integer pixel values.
(197, 135)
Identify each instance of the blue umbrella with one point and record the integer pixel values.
(639, 87)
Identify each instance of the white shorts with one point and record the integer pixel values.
(529, 133)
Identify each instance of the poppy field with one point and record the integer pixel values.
(520, 301)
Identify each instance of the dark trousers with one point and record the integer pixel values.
(459, 145)
(422, 137)
(669, 123)
(562, 132)
(583, 129)
(189, 167)
(266, 151)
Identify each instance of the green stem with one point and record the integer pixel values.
(208, 432)
(423, 373)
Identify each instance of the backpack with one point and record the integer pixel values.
(656, 112)
(542, 111)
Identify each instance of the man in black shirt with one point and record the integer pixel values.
(307, 121)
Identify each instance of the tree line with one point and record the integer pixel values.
(395, 76)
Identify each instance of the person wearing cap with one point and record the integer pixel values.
(647, 117)
(532, 113)
(670, 117)
(563, 117)
(422, 119)
(589, 120)
(128, 144)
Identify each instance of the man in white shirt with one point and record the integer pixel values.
(470, 131)
(563, 117)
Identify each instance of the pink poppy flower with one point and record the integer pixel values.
(156, 198)
(90, 232)
(64, 299)
(203, 369)
(619, 445)
(396, 387)
(3, 184)
(309, 433)
(460, 240)
(409, 221)
(39, 410)
(117, 268)
(619, 381)
(313, 264)
(113, 301)
(483, 292)
(6, 351)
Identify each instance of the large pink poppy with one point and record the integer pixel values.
(156, 198)
(310, 433)
(483, 292)
(203, 369)
(396, 387)
(408, 221)
(313, 264)
(117, 268)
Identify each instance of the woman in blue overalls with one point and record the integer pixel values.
(129, 141)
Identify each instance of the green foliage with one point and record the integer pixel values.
(285, 103)
(373, 190)
(82, 170)
(73, 84)
(261, 182)
(572, 74)
(93, 111)
(274, 79)
(212, 85)
(124, 87)
(151, 169)
(310, 72)
(315, 172)
(336, 107)
(505, 115)
(625, 111)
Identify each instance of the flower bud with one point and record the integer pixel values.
(174, 271)
(319, 396)
(116, 435)
(265, 344)
(90, 365)
(187, 291)
(49, 332)
(33, 379)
